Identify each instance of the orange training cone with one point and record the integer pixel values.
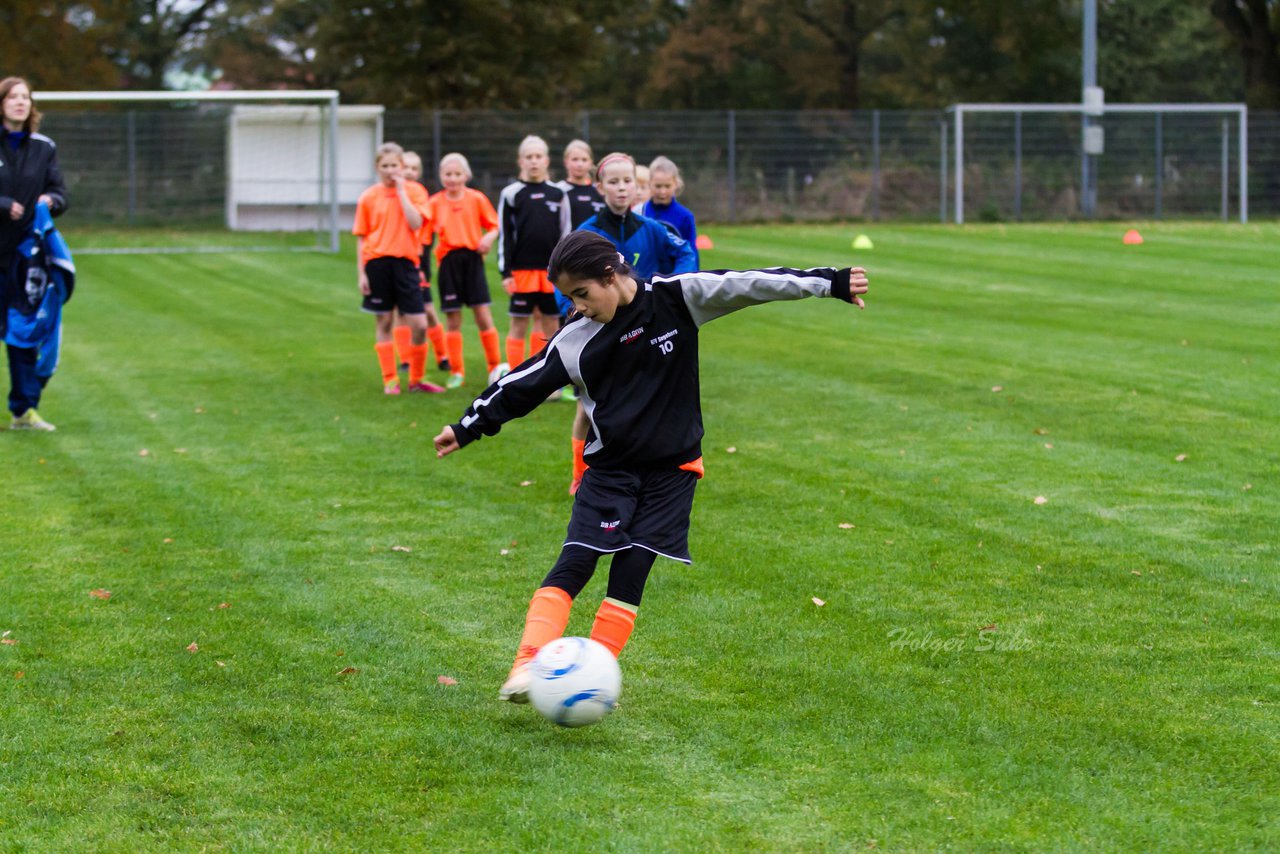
(704, 242)
(1132, 237)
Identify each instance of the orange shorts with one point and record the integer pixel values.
(532, 282)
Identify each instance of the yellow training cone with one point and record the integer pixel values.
(863, 242)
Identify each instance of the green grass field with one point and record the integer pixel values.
(223, 439)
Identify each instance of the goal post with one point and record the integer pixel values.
(156, 171)
(1144, 174)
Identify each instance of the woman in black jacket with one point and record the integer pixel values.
(28, 175)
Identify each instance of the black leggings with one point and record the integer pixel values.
(627, 573)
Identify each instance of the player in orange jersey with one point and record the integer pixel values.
(389, 217)
(467, 225)
(435, 332)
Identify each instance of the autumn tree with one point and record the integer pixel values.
(1254, 27)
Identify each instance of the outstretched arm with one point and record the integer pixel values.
(715, 293)
(516, 394)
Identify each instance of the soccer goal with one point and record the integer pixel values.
(209, 171)
(1113, 161)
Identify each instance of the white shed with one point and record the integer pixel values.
(277, 166)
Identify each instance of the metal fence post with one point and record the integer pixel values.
(1244, 164)
(1017, 166)
(959, 220)
(733, 168)
(333, 173)
(1226, 165)
(875, 164)
(436, 148)
(942, 170)
(131, 145)
(1159, 165)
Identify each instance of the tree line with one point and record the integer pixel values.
(655, 54)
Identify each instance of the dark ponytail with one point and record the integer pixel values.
(585, 255)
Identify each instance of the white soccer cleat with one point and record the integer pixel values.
(516, 688)
(31, 420)
(499, 372)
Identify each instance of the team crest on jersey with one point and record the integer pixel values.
(553, 206)
(664, 343)
(631, 336)
(610, 526)
(537, 195)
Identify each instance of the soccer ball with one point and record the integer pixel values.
(499, 372)
(575, 681)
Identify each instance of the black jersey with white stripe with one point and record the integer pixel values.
(585, 201)
(533, 218)
(638, 373)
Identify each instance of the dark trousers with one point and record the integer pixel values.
(24, 385)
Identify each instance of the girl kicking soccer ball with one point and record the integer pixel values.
(632, 349)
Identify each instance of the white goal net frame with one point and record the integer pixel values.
(309, 203)
(1091, 144)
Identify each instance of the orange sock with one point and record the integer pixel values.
(455, 351)
(613, 625)
(536, 342)
(386, 360)
(403, 337)
(579, 464)
(547, 617)
(489, 340)
(417, 362)
(515, 351)
(436, 334)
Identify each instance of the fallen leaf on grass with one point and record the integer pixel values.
(504, 551)
(818, 602)
(144, 453)
(224, 605)
(1247, 487)
(168, 539)
(446, 680)
(526, 483)
(1136, 572)
(1040, 499)
(997, 388)
(731, 450)
(9, 641)
(1048, 446)
(1180, 458)
(346, 671)
(199, 410)
(1040, 431)
(100, 593)
(990, 627)
(179, 450)
(195, 647)
(846, 525)
(219, 663)
(401, 549)
(19, 674)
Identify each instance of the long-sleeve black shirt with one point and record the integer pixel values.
(532, 219)
(638, 373)
(26, 173)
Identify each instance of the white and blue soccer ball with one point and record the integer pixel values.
(575, 681)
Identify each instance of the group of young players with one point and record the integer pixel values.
(615, 300)
(397, 223)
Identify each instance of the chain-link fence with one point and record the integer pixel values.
(153, 166)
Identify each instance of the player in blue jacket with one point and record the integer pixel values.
(649, 247)
(665, 184)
